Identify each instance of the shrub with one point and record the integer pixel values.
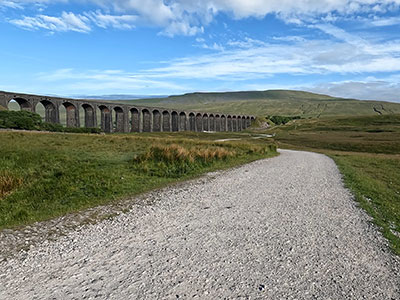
(20, 120)
(31, 121)
(45, 126)
(81, 130)
(281, 120)
(59, 128)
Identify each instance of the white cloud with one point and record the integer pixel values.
(181, 28)
(75, 22)
(366, 90)
(66, 22)
(115, 21)
(188, 17)
(10, 4)
(70, 81)
(380, 22)
(251, 59)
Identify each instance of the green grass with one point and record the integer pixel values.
(367, 152)
(45, 175)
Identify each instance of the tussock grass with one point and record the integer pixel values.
(177, 160)
(176, 153)
(8, 183)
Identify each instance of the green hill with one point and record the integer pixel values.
(272, 102)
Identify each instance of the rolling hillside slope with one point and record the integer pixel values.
(273, 102)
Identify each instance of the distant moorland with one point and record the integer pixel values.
(273, 102)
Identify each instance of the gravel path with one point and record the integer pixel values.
(282, 228)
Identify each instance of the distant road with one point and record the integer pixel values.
(282, 228)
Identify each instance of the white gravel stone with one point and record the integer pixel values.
(281, 228)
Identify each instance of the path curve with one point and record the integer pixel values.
(278, 228)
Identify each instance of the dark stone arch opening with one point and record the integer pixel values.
(166, 124)
(51, 112)
(156, 121)
(119, 119)
(71, 115)
(19, 103)
(234, 124)
(135, 120)
(244, 126)
(192, 122)
(223, 123)
(175, 121)
(248, 122)
(106, 119)
(211, 123)
(230, 127)
(217, 123)
(205, 122)
(199, 122)
(182, 122)
(239, 123)
(89, 116)
(146, 120)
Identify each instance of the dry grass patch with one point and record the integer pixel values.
(8, 183)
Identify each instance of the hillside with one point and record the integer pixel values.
(272, 102)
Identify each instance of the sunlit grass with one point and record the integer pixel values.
(50, 174)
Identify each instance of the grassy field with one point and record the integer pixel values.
(45, 175)
(367, 152)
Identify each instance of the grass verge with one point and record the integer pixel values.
(45, 175)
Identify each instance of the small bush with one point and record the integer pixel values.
(282, 120)
(45, 126)
(27, 120)
(59, 128)
(82, 130)
(20, 120)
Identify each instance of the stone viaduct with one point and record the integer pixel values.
(128, 118)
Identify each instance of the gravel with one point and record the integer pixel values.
(281, 228)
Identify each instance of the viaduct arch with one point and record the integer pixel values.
(116, 117)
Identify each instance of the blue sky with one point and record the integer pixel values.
(347, 48)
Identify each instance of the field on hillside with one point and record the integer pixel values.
(45, 175)
(273, 102)
(367, 151)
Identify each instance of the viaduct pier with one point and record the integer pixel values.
(111, 116)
